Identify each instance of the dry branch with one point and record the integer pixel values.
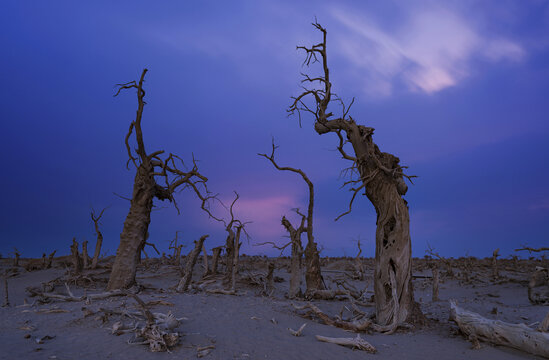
(354, 343)
(99, 242)
(518, 336)
(298, 332)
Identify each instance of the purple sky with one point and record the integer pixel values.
(456, 89)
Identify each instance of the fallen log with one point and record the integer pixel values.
(355, 343)
(518, 336)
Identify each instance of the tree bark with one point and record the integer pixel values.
(190, 261)
(518, 336)
(85, 257)
(76, 260)
(206, 267)
(99, 242)
(382, 178)
(136, 225)
(215, 258)
(229, 256)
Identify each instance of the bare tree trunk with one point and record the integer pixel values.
(435, 282)
(99, 242)
(16, 258)
(136, 226)
(495, 272)
(43, 260)
(76, 260)
(190, 261)
(313, 278)
(145, 188)
(206, 268)
(236, 258)
(50, 259)
(215, 258)
(229, 256)
(381, 177)
(85, 256)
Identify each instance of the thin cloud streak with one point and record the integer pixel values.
(432, 51)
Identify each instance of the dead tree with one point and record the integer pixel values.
(85, 257)
(434, 269)
(176, 249)
(99, 243)
(215, 258)
(50, 259)
(206, 268)
(16, 255)
(190, 261)
(313, 276)
(234, 228)
(382, 179)
(75, 257)
(296, 261)
(149, 168)
(495, 272)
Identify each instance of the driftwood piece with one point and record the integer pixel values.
(538, 287)
(72, 297)
(518, 336)
(298, 332)
(189, 265)
(355, 343)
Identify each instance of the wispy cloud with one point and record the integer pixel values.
(432, 50)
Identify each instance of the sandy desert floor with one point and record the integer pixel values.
(253, 325)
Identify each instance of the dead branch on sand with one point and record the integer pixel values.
(354, 343)
(71, 297)
(518, 336)
(360, 324)
(298, 332)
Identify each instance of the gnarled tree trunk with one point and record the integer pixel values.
(382, 178)
(136, 226)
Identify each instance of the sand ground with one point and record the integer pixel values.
(254, 326)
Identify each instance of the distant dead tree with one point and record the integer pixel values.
(234, 228)
(99, 243)
(149, 168)
(382, 179)
(313, 276)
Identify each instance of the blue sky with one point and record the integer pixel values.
(456, 89)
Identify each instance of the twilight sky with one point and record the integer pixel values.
(457, 89)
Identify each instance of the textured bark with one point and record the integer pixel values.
(518, 336)
(296, 261)
(215, 258)
(190, 261)
(313, 278)
(206, 267)
(381, 177)
(75, 257)
(269, 280)
(136, 225)
(145, 189)
(236, 249)
(85, 257)
(229, 256)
